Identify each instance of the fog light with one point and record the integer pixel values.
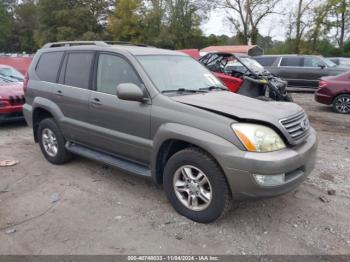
(274, 180)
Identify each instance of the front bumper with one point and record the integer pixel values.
(297, 163)
(11, 113)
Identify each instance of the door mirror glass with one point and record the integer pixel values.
(130, 92)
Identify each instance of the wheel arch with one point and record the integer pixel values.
(172, 138)
(340, 94)
(44, 108)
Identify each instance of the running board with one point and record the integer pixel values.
(120, 163)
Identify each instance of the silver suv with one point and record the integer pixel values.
(160, 114)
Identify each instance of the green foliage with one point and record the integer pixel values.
(25, 23)
(126, 22)
(6, 26)
(69, 20)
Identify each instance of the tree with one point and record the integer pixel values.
(26, 24)
(184, 21)
(126, 24)
(341, 11)
(71, 20)
(6, 26)
(155, 22)
(246, 16)
(300, 24)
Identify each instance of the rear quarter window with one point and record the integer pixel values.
(265, 61)
(48, 66)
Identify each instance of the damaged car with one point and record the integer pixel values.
(243, 75)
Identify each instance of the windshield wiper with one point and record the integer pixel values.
(210, 88)
(183, 90)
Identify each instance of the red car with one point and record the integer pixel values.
(11, 94)
(335, 90)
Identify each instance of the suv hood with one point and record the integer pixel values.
(242, 108)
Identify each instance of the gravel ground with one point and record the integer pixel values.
(86, 208)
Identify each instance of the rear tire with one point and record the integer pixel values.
(341, 104)
(205, 201)
(52, 142)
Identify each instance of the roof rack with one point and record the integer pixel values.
(97, 43)
(74, 43)
(125, 43)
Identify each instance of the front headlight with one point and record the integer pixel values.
(258, 138)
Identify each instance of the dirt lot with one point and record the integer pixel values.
(86, 208)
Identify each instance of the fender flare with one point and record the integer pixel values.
(209, 142)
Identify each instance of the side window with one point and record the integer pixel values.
(48, 66)
(78, 69)
(113, 70)
(265, 61)
(313, 62)
(291, 61)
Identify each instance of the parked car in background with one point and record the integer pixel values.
(300, 71)
(10, 73)
(161, 115)
(335, 91)
(341, 61)
(11, 94)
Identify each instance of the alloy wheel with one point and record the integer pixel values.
(342, 104)
(49, 141)
(192, 188)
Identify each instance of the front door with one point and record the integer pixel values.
(118, 126)
(314, 69)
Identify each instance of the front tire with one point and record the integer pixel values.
(52, 142)
(341, 104)
(195, 186)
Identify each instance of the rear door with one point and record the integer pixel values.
(118, 126)
(72, 93)
(290, 69)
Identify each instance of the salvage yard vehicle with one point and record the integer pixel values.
(300, 71)
(341, 61)
(335, 91)
(243, 75)
(11, 94)
(162, 115)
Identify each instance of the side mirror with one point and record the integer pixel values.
(130, 92)
(322, 66)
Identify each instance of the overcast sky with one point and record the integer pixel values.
(273, 25)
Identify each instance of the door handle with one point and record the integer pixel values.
(96, 101)
(59, 93)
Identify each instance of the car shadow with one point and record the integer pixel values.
(13, 125)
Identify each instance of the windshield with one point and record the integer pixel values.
(11, 74)
(237, 66)
(252, 64)
(177, 72)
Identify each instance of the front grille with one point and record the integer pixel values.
(297, 126)
(16, 100)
